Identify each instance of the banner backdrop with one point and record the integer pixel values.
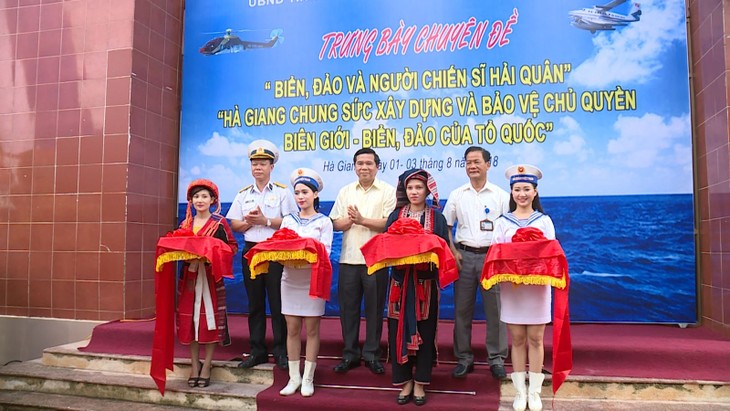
(597, 96)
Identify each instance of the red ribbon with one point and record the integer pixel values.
(406, 226)
(528, 234)
(562, 345)
(530, 253)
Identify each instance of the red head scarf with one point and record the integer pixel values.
(210, 186)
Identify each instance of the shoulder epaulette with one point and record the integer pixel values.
(279, 185)
(248, 187)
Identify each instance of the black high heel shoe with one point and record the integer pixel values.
(204, 382)
(193, 381)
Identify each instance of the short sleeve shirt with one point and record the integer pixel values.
(275, 201)
(378, 201)
(467, 208)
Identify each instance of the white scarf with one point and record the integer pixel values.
(202, 284)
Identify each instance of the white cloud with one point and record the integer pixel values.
(532, 153)
(683, 157)
(220, 146)
(633, 53)
(648, 141)
(569, 124)
(229, 181)
(648, 155)
(573, 145)
(569, 139)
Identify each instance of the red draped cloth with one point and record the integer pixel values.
(532, 259)
(179, 245)
(288, 248)
(391, 249)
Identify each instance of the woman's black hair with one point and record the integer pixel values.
(535, 201)
(196, 189)
(315, 203)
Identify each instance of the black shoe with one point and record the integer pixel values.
(345, 366)
(462, 369)
(252, 361)
(419, 400)
(375, 366)
(498, 371)
(193, 381)
(204, 382)
(282, 362)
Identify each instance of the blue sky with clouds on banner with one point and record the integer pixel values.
(642, 151)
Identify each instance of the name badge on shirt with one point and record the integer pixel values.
(486, 225)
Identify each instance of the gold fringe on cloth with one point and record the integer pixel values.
(427, 257)
(175, 256)
(260, 262)
(529, 279)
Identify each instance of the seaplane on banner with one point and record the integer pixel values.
(601, 18)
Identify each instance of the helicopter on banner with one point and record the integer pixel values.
(231, 43)
(600, 18)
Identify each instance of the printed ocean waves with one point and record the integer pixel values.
(615, 297)
(625, 302)
(660, 263)
(609, 275)
(631, 259)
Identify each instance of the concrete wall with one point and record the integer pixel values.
(24, 338)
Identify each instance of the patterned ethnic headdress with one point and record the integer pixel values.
(401, 198)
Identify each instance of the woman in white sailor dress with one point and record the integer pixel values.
(524, 304)
(296, 303)
(295, 299)
(526, 309)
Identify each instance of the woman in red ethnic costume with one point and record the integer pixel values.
(414, 291)
(201, 310)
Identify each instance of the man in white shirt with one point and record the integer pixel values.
(360, 212)
(475, 206)
(257, 211)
